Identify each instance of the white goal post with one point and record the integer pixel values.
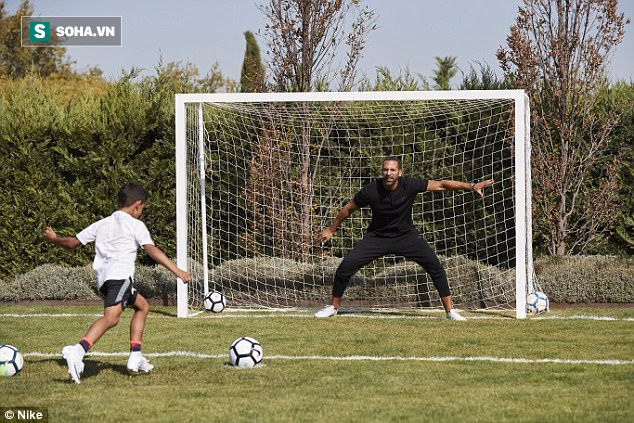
(259, 176)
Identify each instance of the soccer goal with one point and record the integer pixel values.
(259, 176)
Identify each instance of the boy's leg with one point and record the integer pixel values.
(74, 354)
(110, 319)
(137, 324)
(136, 361)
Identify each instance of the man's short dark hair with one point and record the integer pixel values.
(394, 159)
(131, 192)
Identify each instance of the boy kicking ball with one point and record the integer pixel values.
(117, 238)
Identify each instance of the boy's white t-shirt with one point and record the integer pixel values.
(117, 239)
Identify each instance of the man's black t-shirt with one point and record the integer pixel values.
(391, 210)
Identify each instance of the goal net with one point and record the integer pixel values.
(259, 176)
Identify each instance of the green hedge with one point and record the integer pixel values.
(66, 152)
(53, 282)
(580, 279)
(586, 279)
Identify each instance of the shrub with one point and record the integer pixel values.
(577, 279)
(402, 282)
(155, 282)
(6, 292)
(53, 282)
(472, 283)
(586, 279)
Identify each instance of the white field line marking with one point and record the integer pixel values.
(584, 317)
(50, 314)
(260, 314)
(353, 358)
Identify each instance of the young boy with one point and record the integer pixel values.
(117, 238)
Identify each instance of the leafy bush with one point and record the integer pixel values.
(577, 279)
(586, 279)
(155, 282)
(267, 278)
(473, 283)
(6, 292)
(67, 152)
(54, 282)
(565, 279)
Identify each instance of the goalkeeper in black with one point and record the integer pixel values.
(392, 231)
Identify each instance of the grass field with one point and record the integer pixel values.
(572, 365)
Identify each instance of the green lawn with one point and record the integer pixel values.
(565, 367)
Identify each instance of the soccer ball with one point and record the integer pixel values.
(215, 302)
(536, 302)
(245, 352)
(11, 360)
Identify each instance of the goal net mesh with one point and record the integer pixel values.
(265, 178)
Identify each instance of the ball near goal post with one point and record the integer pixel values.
(260, 175)
(214, 301)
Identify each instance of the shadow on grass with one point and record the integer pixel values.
(93, 368)
(163, 312)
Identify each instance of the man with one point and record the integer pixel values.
(392, 231)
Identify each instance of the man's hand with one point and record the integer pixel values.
(477, 188)
(347, 210)
(325, 236)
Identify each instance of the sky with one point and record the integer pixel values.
(410, 34)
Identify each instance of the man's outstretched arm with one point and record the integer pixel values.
(449, 185)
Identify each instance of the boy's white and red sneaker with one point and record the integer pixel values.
(136, 362)
(74, 356)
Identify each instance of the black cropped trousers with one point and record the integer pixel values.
(412, 246)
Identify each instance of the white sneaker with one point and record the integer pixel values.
(453, 315)
(327, 311)
(136, 362)
(74, 356)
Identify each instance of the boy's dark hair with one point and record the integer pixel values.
(394, 159)
(131, 192)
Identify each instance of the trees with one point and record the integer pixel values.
(622, 93)
(303, 39)
(385, 81)
(446, 68)
(253, 74)
(483, 79)
(16, 61)
(304, 36)
(69, 144)
(558, 51)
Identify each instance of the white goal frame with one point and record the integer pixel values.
(522, 153)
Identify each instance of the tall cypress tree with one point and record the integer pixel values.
(446, 68)
(252, 76)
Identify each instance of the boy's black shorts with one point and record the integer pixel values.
(118, 291)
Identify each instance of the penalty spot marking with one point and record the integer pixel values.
(516, 360)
